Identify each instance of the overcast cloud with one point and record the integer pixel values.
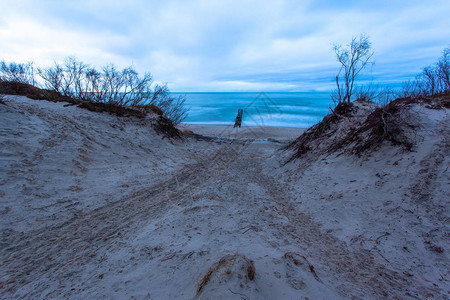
(227, 45)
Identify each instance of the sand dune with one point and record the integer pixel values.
(96, 206)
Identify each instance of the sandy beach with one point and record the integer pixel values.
(99, 206)
(260, 133)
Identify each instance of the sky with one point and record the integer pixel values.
(202, 45)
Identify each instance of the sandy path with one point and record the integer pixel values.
(222, 204)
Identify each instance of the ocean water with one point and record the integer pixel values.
(290, 109)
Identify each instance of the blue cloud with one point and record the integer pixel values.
(228, 45)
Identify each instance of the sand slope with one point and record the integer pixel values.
(389, 204)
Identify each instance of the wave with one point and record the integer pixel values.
(277, 109)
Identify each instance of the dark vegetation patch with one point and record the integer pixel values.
(23, 89)
(165, 127)
(441, 100)
(392, 123)
(383, 124)
(323, 129)
(111, 108)
(150, 107)
(343, 109)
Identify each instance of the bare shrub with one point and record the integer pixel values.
(443, 71)
(74, 81)
(173, 107)
(113, 86)
(122, 87)
(428, 81)
(432, 80)
(93, 88)
(409, 89)
(17, 72)
(366, 93)
(53, 77)
(385, 96)
(353, 59)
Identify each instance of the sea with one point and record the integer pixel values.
(280, 109)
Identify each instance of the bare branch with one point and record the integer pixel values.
(353, 59)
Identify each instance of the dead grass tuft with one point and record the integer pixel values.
(23, 89)
(111, 108)
(343, 108)
(165, 127)
(303, 144)
(227, 260)
(150, 107)
(300, 260)
(441, 100)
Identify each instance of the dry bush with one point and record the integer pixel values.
(173, 107)
(122, 93)
(343, 109)
(114, 86)
(434, 79)
(377, 93)
(78, 81)
(353, 58)
(366, 92)
(17, 72)
(443, 70)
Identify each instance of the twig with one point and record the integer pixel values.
(378, 251)
(187, 255)
(168, 256)
(383, 235)
(242, 295)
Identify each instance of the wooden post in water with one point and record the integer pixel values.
(238, 121)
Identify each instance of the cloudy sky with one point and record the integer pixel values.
(206, 45)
